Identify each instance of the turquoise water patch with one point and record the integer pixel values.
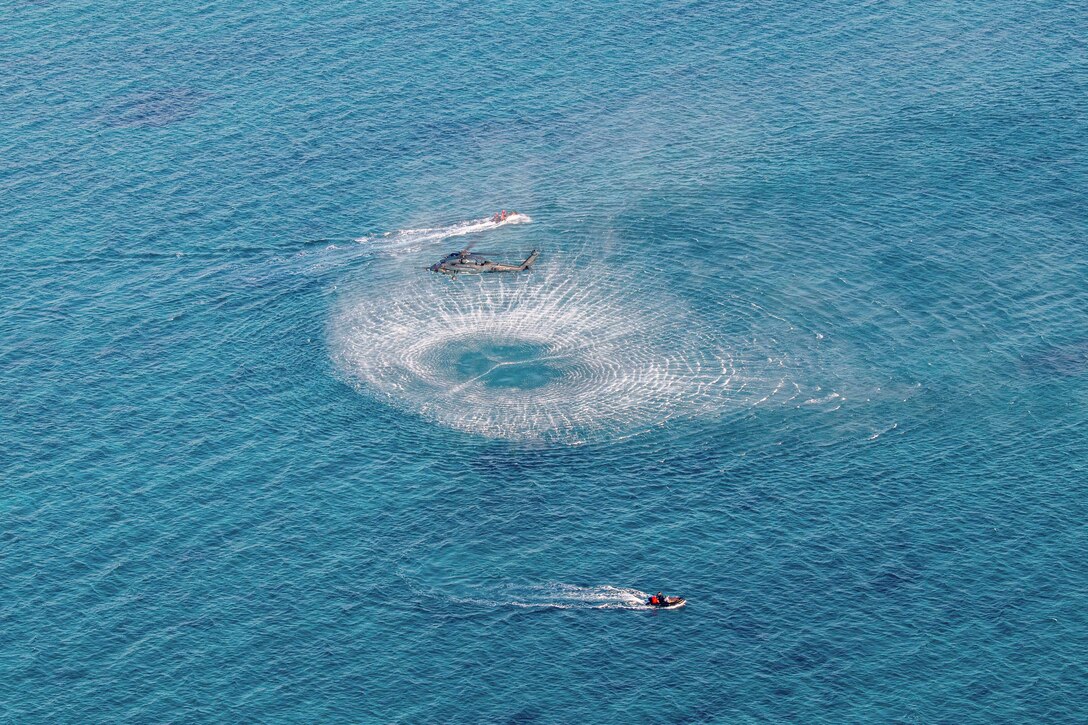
(506, 364)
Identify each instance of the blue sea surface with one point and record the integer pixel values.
(807, 344)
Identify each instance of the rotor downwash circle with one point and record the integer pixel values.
(536, 357)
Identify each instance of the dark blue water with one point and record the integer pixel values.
(807, 343)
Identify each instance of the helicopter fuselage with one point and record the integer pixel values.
(465, 262)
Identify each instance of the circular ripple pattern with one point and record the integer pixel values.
(555, 355)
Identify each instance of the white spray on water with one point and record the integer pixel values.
(570, 352)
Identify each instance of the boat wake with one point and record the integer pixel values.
(412, 240)
(563, 596)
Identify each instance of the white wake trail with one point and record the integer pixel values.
(409, 240)
(561, 596)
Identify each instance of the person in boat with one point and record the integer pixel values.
(658, 600)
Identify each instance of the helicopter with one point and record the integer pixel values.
(466, 262)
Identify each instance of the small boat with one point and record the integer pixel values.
(669, 603)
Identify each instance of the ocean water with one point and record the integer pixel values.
(807, 343)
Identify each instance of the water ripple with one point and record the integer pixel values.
(568, 353)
